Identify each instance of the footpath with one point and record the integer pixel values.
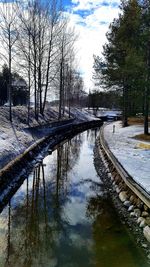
(127, 160)
(132, 154)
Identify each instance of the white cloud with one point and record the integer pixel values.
(92, 28)
(88, 5)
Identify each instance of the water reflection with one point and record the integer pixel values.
(111, 245)
(8, 248)
(61, 215)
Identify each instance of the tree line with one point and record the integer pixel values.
(125, 65)
(38, 43)
(104, 99)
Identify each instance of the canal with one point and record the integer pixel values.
(62, 216)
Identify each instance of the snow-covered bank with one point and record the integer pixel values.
(131, 210)
(14, 173)
(15, 137)
(134, 155)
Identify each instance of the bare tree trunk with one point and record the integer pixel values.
(8, 38)
(29, 78)
(35, 77)
(63, 91)
(35, 91)
(10, 80)
(47, 71)
(41, 35)
(60, 90)
(147, 92)
(146, 110)
(125, 105)
(69, 91)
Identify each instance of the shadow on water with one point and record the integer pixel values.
(62, 216)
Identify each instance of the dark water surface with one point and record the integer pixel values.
(62, 216)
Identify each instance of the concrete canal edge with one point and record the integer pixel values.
(57, 125)
(132, 196)
(16, 171)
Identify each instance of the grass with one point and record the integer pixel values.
(136, 120)
(143, 146)
(143, 137)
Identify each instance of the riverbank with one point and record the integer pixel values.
(17, 170)
(131, 208)
(125, 218)
(132, 154)
(63, 207)
(17, 136)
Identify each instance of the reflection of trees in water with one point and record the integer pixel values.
(28, 224)
(71, 152)
(67, 156)
(8, 246)
(97, 206)
(112, 244)
(75, 148)
(105, 227)
(92, 135)
(39, 234)
(37, 224)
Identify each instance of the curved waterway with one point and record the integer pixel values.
(62, 216)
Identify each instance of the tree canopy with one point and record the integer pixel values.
(125, 62)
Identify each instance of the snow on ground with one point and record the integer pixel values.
(15, 137)
(102, 112)
(129, 151)
(82, 115)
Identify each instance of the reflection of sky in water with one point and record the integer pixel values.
(54, 228)
(72, 208)
(85, 168)
(75, 209)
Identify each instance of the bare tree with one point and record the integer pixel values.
(66, 44)
(69, 80)
(38, 46)
(9, 37)
(54, 30)
(45, 47)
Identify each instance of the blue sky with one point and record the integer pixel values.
(67, 2)
(91, 20)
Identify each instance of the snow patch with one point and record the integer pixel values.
(132, 156)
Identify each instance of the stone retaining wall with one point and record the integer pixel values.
(131, 201)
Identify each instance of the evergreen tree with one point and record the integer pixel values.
(146, 51)
(123, 55)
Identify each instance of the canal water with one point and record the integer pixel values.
(62, 216)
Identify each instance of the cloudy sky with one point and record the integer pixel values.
(91, 20)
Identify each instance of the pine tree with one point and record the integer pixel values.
(146, 51)
(123, 56)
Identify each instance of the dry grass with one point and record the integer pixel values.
(133, 121)
(142, 137)
(139, 121)
(136, 120)
(143, 146)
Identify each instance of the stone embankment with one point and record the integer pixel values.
(133, 198)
